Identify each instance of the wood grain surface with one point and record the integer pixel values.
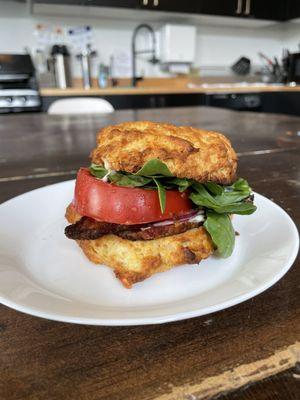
(285, 385)
(199, 358)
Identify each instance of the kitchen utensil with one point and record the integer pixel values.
(242, 66)
(85, 58)
(266, 59)
(60, 65)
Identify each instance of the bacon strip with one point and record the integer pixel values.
(89, 229)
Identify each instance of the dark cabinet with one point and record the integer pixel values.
(267, 102)
(114, 3)
(235, 101)
(278, 10)
(281, 102)
(187, 6)
(227, 8)
(61, 2)
(98, 3)
(259, 9)
(268, 9)
(121, 102)
(294, 9)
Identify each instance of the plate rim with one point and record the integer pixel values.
(170, 317)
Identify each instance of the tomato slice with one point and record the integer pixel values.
(125, 205)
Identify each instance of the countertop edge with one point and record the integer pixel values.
(165, 90)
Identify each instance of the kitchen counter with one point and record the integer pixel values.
(208, 88)
(256, 342)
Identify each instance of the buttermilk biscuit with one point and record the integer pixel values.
(134, 261)
(188, 152)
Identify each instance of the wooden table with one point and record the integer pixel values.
(256, 342)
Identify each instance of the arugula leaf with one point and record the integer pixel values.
(242, 208)
(202, 197)
(128, 180)
(231, 197)
(98, 170)
(231, 202)
(181, 183)
(220, 228)
(241, 185)
(119, 178)
(97, 167)
(214, 188)
(155, 168)
(161, 195)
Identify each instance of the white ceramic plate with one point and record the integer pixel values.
(45, 274)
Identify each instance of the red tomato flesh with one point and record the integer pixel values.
(124, 205)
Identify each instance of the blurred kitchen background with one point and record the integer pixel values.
(238, 54)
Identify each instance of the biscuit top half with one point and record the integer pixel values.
(188, 152)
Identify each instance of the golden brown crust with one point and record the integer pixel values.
(188, 152)
(71, 215)
(135, 261)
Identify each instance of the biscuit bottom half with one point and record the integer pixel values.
(134, 261)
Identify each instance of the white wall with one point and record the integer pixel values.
(217, 46)
(292, 36)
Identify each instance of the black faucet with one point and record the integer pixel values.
(153, 59)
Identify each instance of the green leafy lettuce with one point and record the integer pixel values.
(224, 199)
(220, 228)
(218, 201)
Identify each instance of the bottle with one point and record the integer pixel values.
(103, 76)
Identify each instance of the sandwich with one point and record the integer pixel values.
(157, 196)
